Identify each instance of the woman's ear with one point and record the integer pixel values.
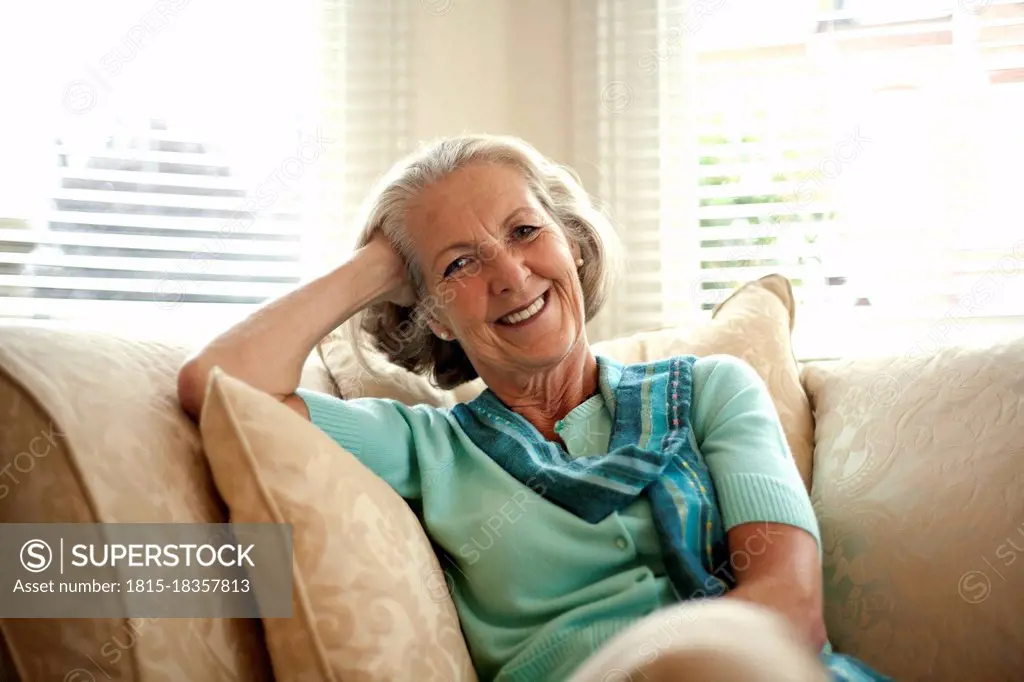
(577, 254)
(440, 331)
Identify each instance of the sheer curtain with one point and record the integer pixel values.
(367, 106)
(632, 145)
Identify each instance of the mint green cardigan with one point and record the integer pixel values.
(538, 589)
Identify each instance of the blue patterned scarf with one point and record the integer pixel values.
(650, 452)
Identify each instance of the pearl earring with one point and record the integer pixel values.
(579, 262)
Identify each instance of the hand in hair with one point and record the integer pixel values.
(388, 263)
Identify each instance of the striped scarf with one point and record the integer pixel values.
(651, 452)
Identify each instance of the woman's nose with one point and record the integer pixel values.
(509, 272)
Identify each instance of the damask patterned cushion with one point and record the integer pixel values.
(370, 600)
(919, 487)
(373, 376)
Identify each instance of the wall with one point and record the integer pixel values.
(495, 66)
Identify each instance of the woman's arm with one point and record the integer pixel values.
(777, 566)
(268, 348)
(770, 523)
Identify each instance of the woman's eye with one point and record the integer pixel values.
(524, 231)
(455, 266)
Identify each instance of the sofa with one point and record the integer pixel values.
(914, 462)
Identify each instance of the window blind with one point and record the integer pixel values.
(367, 104)
(630, 147)
(181, 214)
(148, 219)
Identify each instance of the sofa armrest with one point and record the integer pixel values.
(110, 404)
(91, 432)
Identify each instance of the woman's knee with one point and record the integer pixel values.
(718, 640)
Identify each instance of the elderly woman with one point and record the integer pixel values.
(583, 506)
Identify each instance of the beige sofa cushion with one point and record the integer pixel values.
(370, 600)
(90, 432)
(373, 376)
(753, 324)
(919, 487)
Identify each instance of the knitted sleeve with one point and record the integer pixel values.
(737, 429)
(381, 433)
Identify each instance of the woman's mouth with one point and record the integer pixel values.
(525, 315)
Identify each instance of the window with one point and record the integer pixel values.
(868, 153)
(864, 149)
(170, 166)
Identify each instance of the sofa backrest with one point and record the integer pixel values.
(919, 488)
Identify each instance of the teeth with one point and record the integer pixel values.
(526, 314)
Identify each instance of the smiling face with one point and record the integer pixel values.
(499, 272)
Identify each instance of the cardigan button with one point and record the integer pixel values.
(621, 543)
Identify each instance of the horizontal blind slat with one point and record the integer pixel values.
(120, 200)
(156, 266)
(130, 315)
(207, 160)
(255, 223)
(204, 247)
(155, 286)
(153, 179)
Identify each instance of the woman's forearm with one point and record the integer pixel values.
(268, 348)
(777, 566)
